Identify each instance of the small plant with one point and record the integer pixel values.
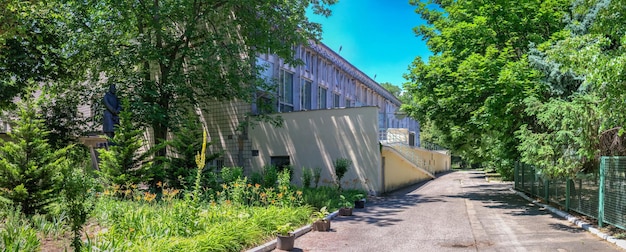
(231, 174)
(320, 215)
(358, 197)
(345, 203)
(317, 174)
(341, 167)
(284, 230)
(307, 176)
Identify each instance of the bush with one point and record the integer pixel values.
(270, 176)
(29, 166)
(181, 168)
(307, 175)
(341, 167)
(317, 174)
(231, 174)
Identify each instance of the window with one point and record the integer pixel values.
(321, 98)
(348, 105)
(281, 163)
(336, 101)
(285, 91)
(307, 61)
(305, 100)
(266, 69)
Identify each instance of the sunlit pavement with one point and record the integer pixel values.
(458, 211)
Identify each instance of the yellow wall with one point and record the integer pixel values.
(400, 172)
(316, 138)
(437, 161)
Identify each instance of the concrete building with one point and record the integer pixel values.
(329, 109)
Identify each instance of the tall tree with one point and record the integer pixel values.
(586, 88)
(170, 54)
(473, 86)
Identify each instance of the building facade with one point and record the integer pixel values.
(325, 81)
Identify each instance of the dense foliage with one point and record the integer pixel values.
(536, 80)
(30, 168)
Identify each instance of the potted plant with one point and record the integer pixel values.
(320, 223)
(285, 237)
(346, 206)
(359, 201)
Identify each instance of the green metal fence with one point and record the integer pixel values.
(601, 195)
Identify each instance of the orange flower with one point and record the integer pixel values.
(280, 195)
(227, 202)
(257, 186)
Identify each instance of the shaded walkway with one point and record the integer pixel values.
(458, 211)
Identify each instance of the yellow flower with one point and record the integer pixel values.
(227, 202)
(149, 196)
(224, 186)
(133, 186)
(249, 185)
(299, 193)
(280, 195)
(131, 229)
(159, 184)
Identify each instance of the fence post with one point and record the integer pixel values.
(546, 189)
(521, 166)
(516, 176)
(601, 192)
(568, 187)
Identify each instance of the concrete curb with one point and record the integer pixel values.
(584, 225)
(271, 245)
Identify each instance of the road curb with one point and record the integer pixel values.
(584, 225)
(271, 245)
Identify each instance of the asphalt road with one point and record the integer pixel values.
(458, 211)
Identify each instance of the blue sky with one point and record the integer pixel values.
(376, 36)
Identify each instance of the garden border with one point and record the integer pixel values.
(271, 245)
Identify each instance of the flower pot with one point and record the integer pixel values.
(345, 211)
(359, 204)
(321, 225)
(285, 242)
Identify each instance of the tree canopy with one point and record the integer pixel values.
(537, 81)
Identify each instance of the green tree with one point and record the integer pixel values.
(32, 39)
(173, 53)
(586, 91)
(29, 166)
(182, 167)
(393, 89)
(123, 163)
(472, 89)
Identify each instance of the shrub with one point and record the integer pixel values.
(341, 167)
(270, 176)
(78, 199)
(317, 174)
(231, 174)
(256, 178)
(29, 166)
(181, 167)
(307, 175)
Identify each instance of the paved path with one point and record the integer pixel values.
(458, 211)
